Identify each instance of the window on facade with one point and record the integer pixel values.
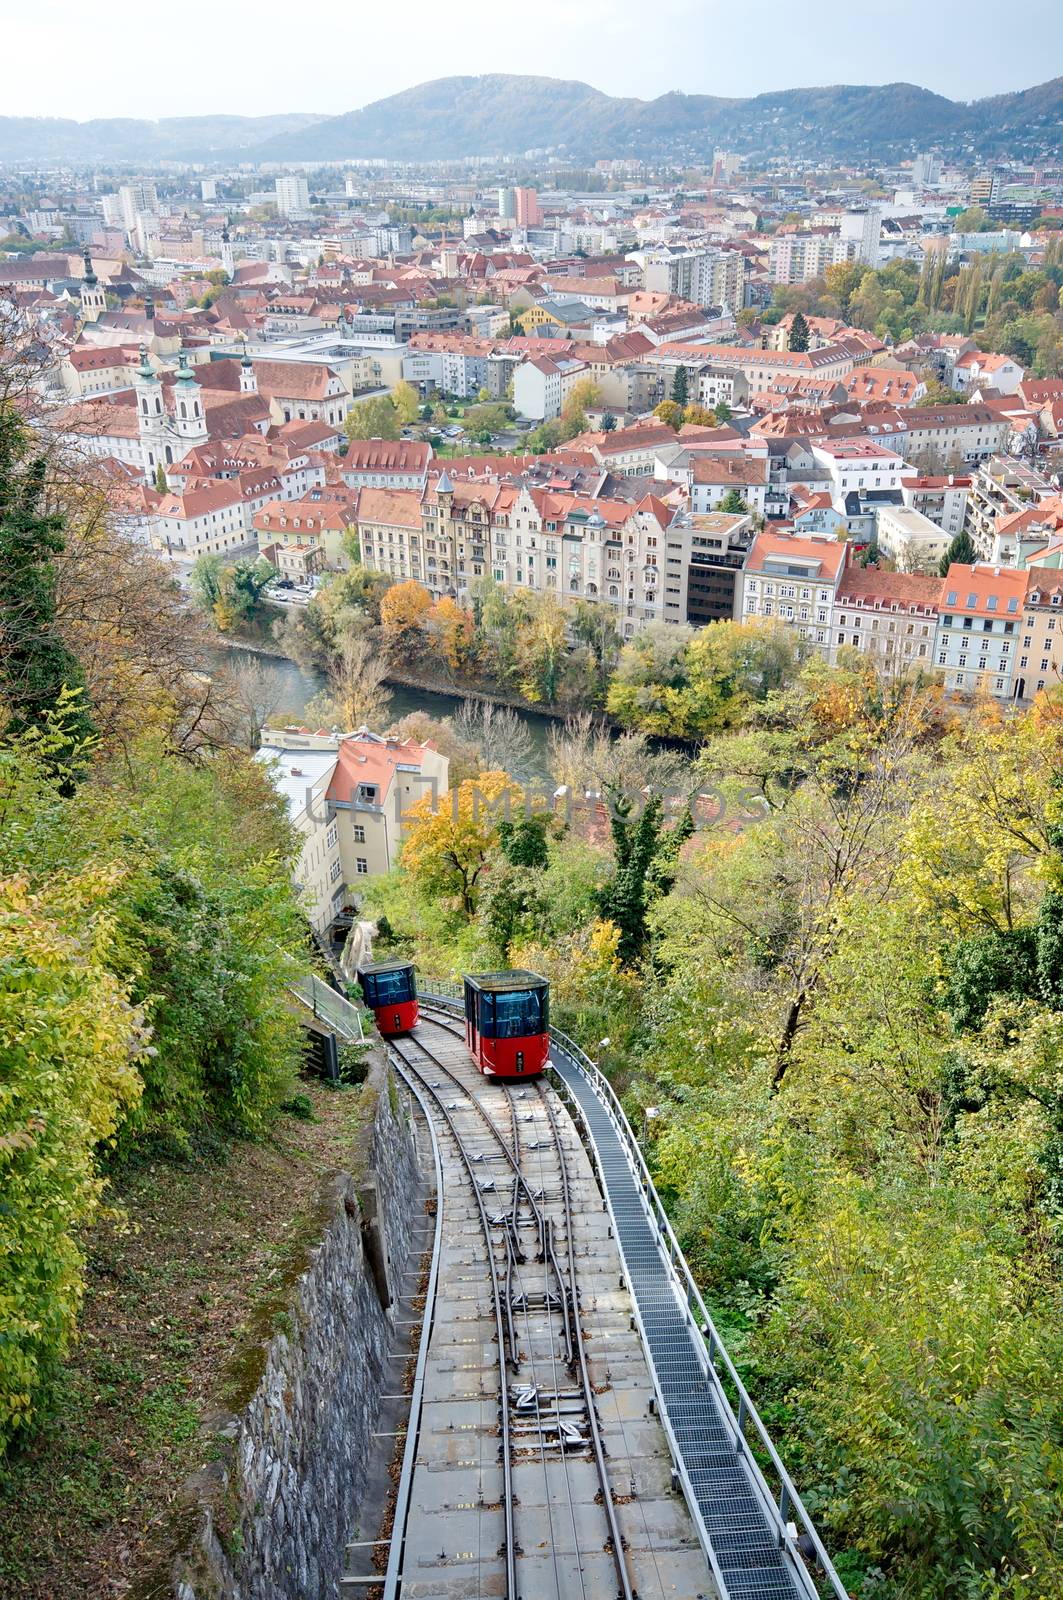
(334, 871)
(361, 866)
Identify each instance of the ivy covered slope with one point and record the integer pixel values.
(147, 926)
(844, 1002)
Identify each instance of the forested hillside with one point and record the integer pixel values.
(147, 923)
(836, 1012)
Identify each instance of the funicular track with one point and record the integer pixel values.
(569, 1518)
(751, 1523)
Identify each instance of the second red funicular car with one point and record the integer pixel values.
(507, 1022)
(389, 989)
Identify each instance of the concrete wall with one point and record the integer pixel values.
(269, 1519)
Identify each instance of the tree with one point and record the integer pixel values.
(670, 413)
(357, 696)
(375, 418)
(584, 393)
(608, 422)
(699, 416)
(245, 585)
(451, 632)
(541, 650)
(35, 664)
(161, 485)
(594, 625)
(961, 549)
(404, 610)
(680, 385)
(723, 411)
(446, 851)
(406, 403)
(799, 333)
(644, 854)
(732, 504)
(498, 735)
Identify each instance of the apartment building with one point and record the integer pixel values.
(1001, 488)
(386, 464)
(942, 499)
(703, 275)
(542, 384)
(760, 368)
(375, 782)
(889, 616)
(909, 539)
(713, 477)
(979, 627)
(572, 545)
(946, 439)
(865, 477)
(301, 767)
(292, 195)
(304, 537)
(795, 580)
(705, 555)
(1040, 662)
(796, 257)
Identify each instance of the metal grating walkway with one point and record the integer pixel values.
(745, 1539)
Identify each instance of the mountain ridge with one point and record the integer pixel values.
(507, 114)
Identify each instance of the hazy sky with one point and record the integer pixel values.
(111, 58)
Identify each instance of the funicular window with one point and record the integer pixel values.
(514, 1016)
(389, 988)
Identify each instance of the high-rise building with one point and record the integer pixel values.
(864, 228)
(293, 197)
(208, 188)
(985, 188)
(926, 171)
(527, 211)
(135, 200)
(507, 204)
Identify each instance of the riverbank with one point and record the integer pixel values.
(428, 683)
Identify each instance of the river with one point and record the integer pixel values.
(289, 688)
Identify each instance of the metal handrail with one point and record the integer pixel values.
(788, 1503)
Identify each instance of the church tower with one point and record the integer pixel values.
(190, 419)
(228, 259)
(93, 298)
(248, 380)
(152, 422)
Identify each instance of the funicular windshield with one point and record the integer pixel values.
(389, 988)
(515, 1015)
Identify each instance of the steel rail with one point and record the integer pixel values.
(573, 1331)
(627, 1589)
(503, 1403)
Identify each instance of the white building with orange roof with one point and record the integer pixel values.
(980, 625)
(890, 616)
(978, 369)
(795, 580)
(375, 783)
(1040, 664)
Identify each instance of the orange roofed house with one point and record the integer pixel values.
(794, 580)
(348, 795)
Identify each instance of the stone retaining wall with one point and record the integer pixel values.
(269, 1520)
